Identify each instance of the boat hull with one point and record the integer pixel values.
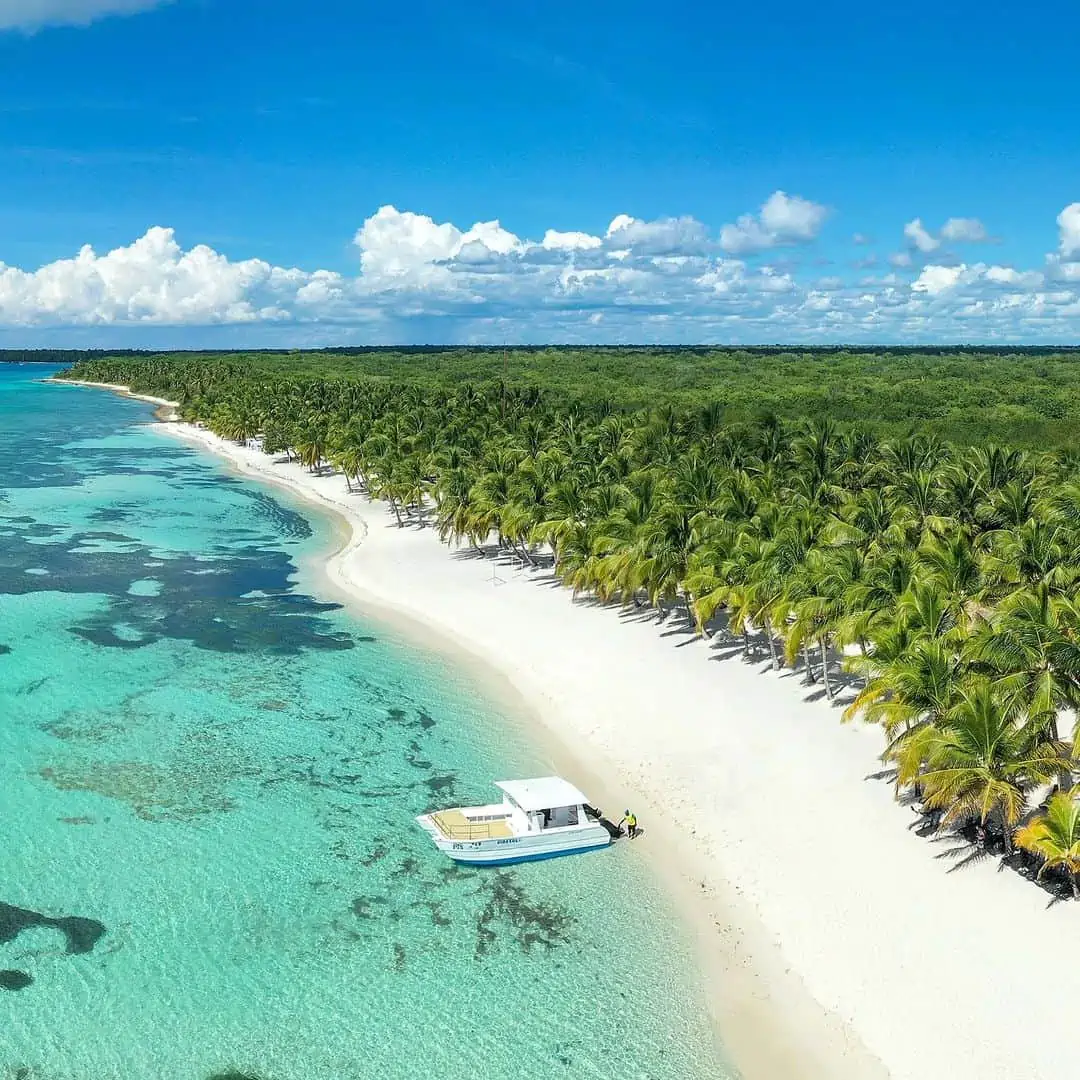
(509, 860)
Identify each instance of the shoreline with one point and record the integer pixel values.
(835, 942)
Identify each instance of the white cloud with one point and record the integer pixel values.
(964, 231)
(393, 243)
(618, 222)
(954, 231)
(784, 219)
(661, 237)
(920, 238)
(422, 280)
(860, 238)
(1007, 275)
(1069, 228)
(936, 279)
(151, 281)
(791, 217)
(34, 14)
(900, 259)
(570, 241)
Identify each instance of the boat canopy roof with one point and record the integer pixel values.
(542, 792)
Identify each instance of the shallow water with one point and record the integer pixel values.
(208, 779)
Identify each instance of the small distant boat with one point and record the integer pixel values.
(537, 819)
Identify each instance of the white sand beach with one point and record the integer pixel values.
(840, 943)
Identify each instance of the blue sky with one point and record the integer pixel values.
(272, 173)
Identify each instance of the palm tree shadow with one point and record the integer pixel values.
(965, 852)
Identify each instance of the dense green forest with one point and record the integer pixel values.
(1027, 398)
(933, 584)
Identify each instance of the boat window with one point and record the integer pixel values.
(560, 816)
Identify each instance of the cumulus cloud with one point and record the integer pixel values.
(34, 14)
(1068, 222)
(398, 244)
(959, 230)
(420, 279)
(667, 236)
(570, 241)
(936, 279)
(918, 237)
(784, 219)
(954, 231)
(151, 281)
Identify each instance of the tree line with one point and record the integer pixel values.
(1022, 397)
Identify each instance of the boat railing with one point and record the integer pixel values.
(454, 825)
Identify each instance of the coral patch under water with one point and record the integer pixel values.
(80, 934)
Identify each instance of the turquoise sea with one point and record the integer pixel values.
(208, 776)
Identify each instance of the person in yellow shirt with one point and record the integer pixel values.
(630, 821)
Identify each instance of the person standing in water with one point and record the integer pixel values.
(630, 820)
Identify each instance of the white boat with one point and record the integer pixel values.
(537, 819)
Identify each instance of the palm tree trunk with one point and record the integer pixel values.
(1065, 777)
(1075, 887)
(825, 666)
(745, 642)
(772, 645)
(811, 678)
(397, 512)
(1006, 835)
(688, 601)
(525, 554)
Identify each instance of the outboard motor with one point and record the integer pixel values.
(613, 830)
(594, 814)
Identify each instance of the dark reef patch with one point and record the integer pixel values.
(412, 756)
(14, 980)
(81, 934)
(442, 786)
(438, 916)
(205, 600)
(4, 650)
(233, 1074)
(107, 638)
(531, 923)
(373, 856)
(107, 515)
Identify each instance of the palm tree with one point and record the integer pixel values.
(1054, 836)
(981, 765)
(1029, 648)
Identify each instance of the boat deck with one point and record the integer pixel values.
(454, 825)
